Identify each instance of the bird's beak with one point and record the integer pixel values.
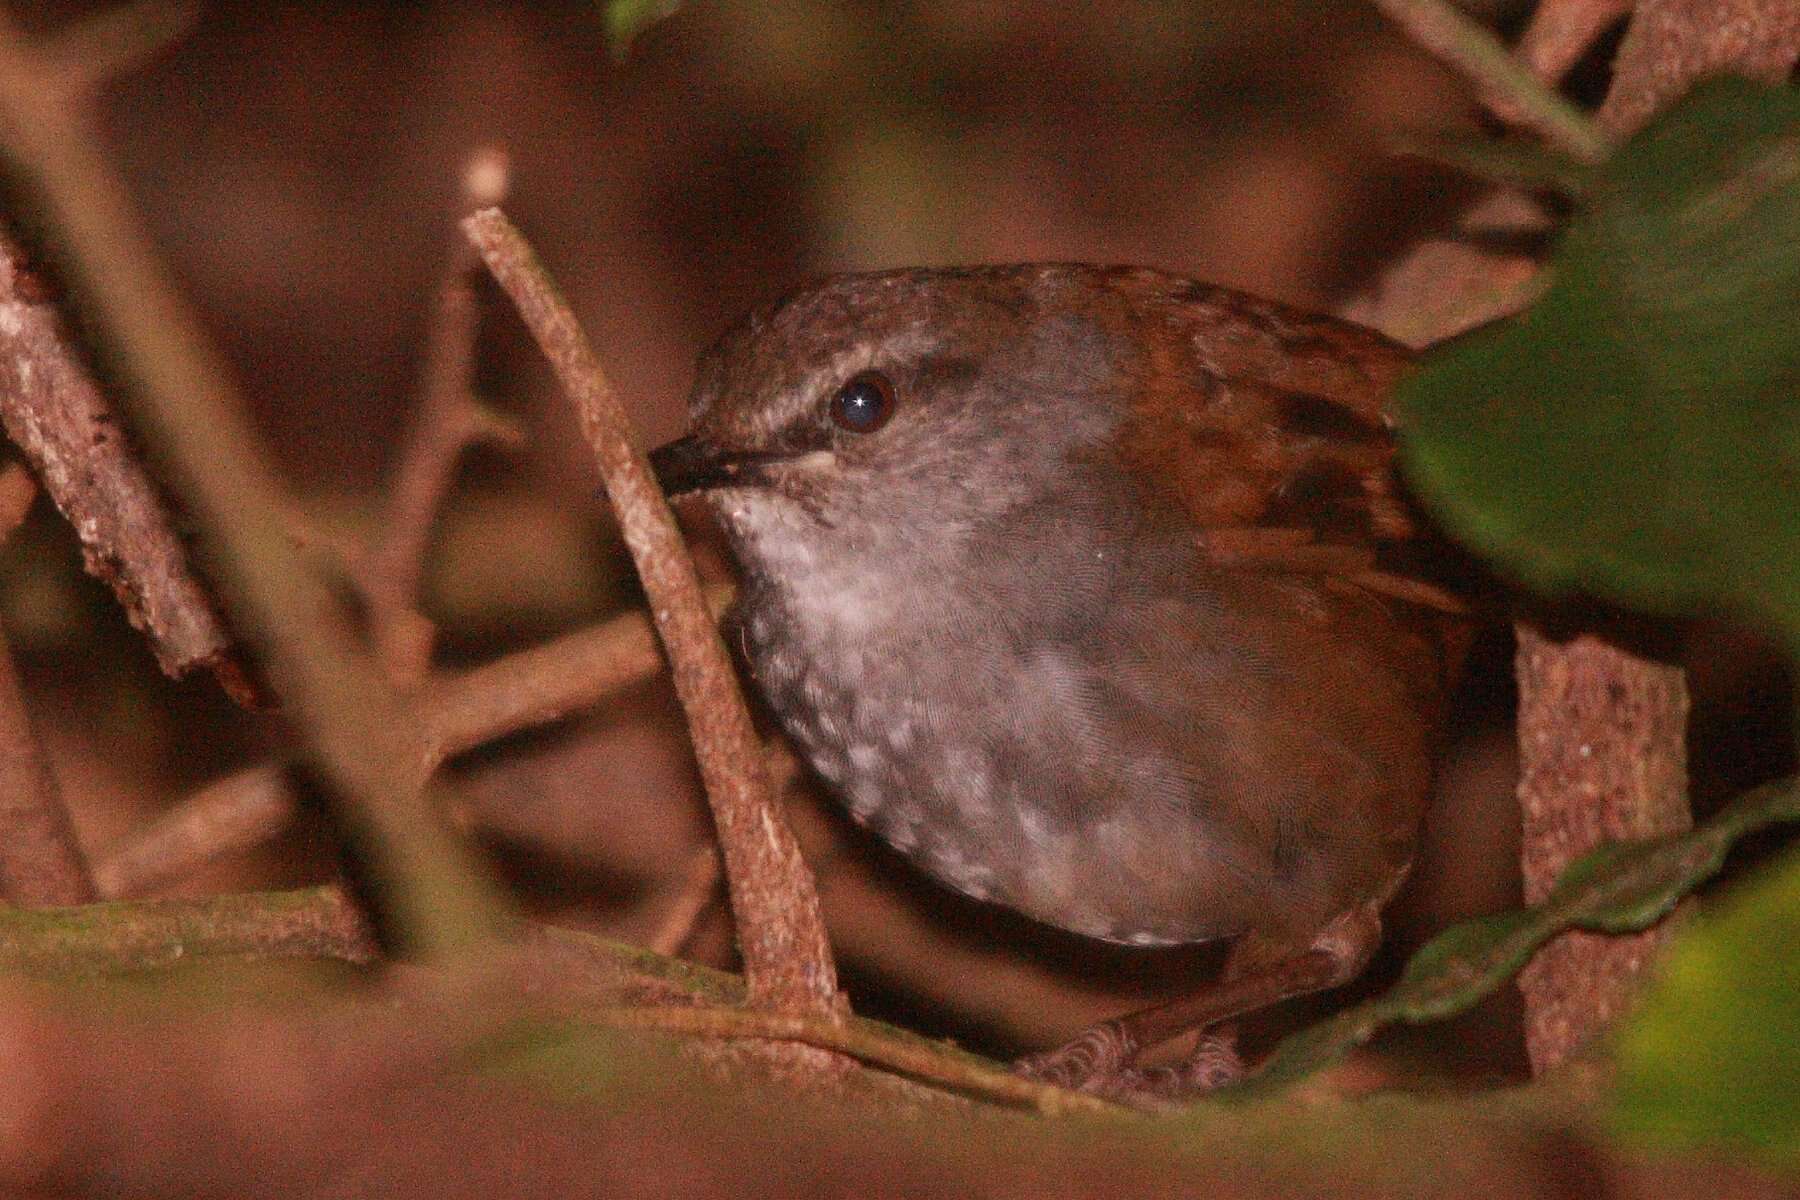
(691, 464)
(685, 465)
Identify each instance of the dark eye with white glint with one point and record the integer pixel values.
(864, 404)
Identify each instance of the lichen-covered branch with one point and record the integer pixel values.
(55, 413)
(107, 939)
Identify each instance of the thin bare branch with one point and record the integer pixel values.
(431, 894)
(930, 1062)
(450, 420)
(1457, 39)
(692, 894)
(533, 687)
(229, 816)
(787, 959)
(536, 686)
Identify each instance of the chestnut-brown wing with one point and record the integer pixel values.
(1269, 427)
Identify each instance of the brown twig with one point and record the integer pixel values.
(233, 815)
(450, 421)
(695, 887)
(40, 861)
(1502, 83)
(519, 691)
(787, 959)
(1561, 31)
(429, 892)
(56, 415)
(536, 686)
(934, 1063)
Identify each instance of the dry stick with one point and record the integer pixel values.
(431, 895)
(536, 686)
(40, 861)
(787, 960)
(1601, 733)
(450, 420)
(54, 412)
(931, 1062)
(229, 816)
(533, 687)
(1561, 31)
(693, 892)
(1463, 43)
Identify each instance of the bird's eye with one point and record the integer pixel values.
(864, 404)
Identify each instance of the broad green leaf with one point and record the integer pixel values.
(1619, 888)
(1636, 433)
(1713, 1053)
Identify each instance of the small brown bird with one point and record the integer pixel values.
(1092, 591)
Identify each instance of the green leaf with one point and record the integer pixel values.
(1713, 1052)
(1636, 433)
(1618, 888)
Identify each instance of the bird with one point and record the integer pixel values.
(1095, 593)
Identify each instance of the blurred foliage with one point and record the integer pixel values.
(1715, 1051)
(1620, 888)
(1636, 435)
(625, 19)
